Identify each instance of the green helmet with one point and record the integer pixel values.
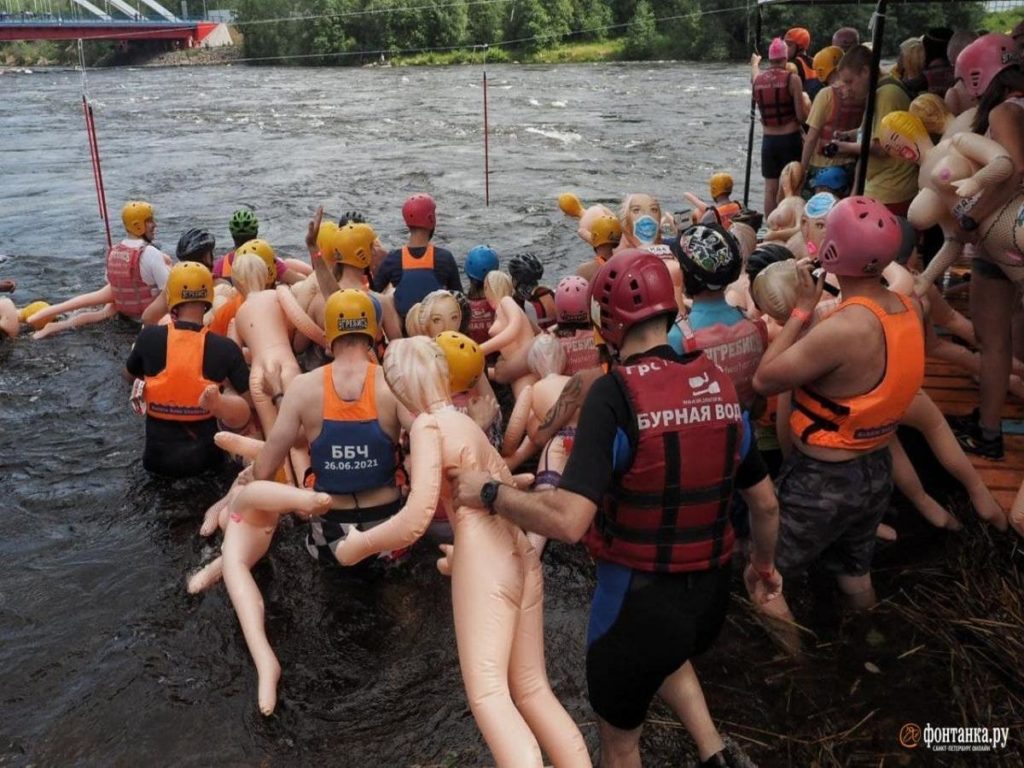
(244, 222)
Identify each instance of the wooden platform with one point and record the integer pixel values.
(956, 394)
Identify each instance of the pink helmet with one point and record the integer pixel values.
(862, 237)
(420, 212)
(632, 286)
(778, 51)
(572, 299)
(979, 63)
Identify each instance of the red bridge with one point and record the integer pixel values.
(190, 33)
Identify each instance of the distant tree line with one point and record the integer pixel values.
(357, 31)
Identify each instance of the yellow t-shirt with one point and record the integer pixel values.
(890, 179)
(821, 112)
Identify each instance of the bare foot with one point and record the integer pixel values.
(444, 564)
(269, 676)
(316, 504)
(206, 577)
(885, 532)
(988, 508)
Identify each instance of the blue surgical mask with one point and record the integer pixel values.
(645, 229)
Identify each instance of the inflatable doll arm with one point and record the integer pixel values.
(525, 450)
(513, 326)
(996, 165)
(389, 316)
(411, 522)
(699, 205)
(302, 322)
(570, 205)
(943, 260)
(517, 421)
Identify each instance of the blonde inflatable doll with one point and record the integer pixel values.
(511, 334)
(497, 581)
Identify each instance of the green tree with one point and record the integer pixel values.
(642, 37)
(529, 23)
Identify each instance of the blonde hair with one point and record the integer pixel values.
(416, 369)
(413, 326)
(627, 203)
(546, 356)
(498, 284)
(911, 62)
(932, 112)
(249, 273)
(789, 179)
(906, 125)
(432, 298)
(745, 236)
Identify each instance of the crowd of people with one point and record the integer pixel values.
(692, 396)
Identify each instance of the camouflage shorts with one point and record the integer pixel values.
(830, 510)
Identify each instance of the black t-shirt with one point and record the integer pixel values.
(445, 269)
(606, 410)
(181, 448)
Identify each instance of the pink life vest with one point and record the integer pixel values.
(131, 293)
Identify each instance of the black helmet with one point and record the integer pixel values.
(351, 217)
(710, 257)
(526, 271)
(765, 254)
(194, 242)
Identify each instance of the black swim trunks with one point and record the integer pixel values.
(830, 511)
(326, 532)
(643, 627)
(779, 151)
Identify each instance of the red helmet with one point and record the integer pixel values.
(631, 287)
(419, 212)
(862, 237)
(800, 37)
(980, 62)
(572, 300)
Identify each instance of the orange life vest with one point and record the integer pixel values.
(866, 422)
(225, 314)
(173, 394)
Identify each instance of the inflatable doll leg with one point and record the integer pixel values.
(76, 321)
(906, 479)
(104, 295)
(558, 735)
(487, 580)
(230, 409)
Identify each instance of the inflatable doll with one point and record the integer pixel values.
(784, 221)
(252, 511)
(511, 334)
(570, 205)
(774, 291)
(954, 177)
(936, 117)
(10, 320)
(471, 391)
(806, 242)
(574, 330)
(125, 292)
(497, 580)
(439, 312)
(640, 215)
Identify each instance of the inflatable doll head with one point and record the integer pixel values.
(932, 112)
(904, 136)
(249, 273)
(416, 369)
(774, 290)
(546, 356)
(438, 312)
(641, 219)
(497, 285)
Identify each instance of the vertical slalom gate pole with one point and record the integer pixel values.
(487, 154)
(753, 113)
(877, 34)
(94, 149)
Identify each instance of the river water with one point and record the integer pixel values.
(104, 658)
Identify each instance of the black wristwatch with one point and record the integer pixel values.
(489, 494)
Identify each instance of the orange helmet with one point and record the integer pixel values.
(800, 37)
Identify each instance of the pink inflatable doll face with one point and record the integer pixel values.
(442, 315)
(900, 146)
(639, 206)
(416, 369)
(813, 231)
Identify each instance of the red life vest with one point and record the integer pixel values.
(481, 316)
(940, 78)
(579, 347)
(543, 301)
(131, 293)
(771, 92)
(736, 349)
(173, 394)
(669, 512)
(847, 115)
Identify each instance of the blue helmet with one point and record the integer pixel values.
(833, 177)
(480, 260)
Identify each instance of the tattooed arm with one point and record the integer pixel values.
(572, 397)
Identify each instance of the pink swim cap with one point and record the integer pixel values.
(777, 51)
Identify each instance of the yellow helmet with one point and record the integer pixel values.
(605, 230)
(826, 60)
(465, 360)
(349, 311)
(326, 241)
(720, 184)
(264, 250)
(354, 244)
(134, 216)
(189, 281)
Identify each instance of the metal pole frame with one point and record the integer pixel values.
(877, 32)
